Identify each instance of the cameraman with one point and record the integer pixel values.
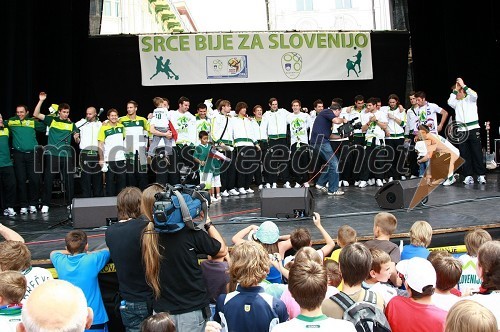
(172, 268)
(320, 134)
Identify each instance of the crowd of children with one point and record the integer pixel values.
(281, 283)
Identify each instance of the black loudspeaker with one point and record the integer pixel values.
(93, 212)
(399, 194)
(286, 203)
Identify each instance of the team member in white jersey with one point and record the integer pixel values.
(394, 136)
(136, 136)
(464, 101)
(262, 140)
(112, 153)
(185, 124)
(374, 122)
(427, 114)
(246, 144)
(278, 153)
(299, 123)
(91, 176)
(411, 136)
(222, 136)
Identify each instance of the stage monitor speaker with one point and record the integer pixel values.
(93, 212)
(397, 194)
(286, 203)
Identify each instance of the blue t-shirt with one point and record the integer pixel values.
(249, 309)
(410, 251)
(81, 270)
(322, 127)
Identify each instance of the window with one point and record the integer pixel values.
(111, 8)
(343, 4)
(303, 5)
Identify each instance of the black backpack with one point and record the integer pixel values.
(365, 315)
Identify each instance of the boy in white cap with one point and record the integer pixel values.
(419, 278)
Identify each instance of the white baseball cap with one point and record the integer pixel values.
(418, 273)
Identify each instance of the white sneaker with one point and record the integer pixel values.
(336, 193)
(469, 180)
(275, 185)
(9, 212)
(234, 192)
(33, 209)
(23, 211)
(268, 186)
(362, 184)
(340, 184)
(323, 189)
(213, 199)
(481, 179)
(356, 183)
(297, 185)
(449, 181)
(224, 193)
(242, 191)
(390, 179)
(287, 185)
(345, 183)
(403, 177)
(306, 184)
(412, 177)
(371, 182)
(250, 191)
(380, 183)
(261, 186)
(45, 209)
(384, 181)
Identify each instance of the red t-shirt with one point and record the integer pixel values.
(406, 315)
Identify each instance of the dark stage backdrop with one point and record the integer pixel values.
(453, 39)
(49, 50)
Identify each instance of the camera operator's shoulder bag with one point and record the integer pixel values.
(179, 212)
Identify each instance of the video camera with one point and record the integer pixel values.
(176, 207)
(347, 129)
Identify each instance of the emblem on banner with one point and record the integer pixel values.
(291, 63)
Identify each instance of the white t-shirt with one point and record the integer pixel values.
(427, 115)
(469, 279)
(8, 323)
(35, 276)
(320, 323)
(299, 123)
(421, 148)
(160, 118)
(444, 301)
(374, 130)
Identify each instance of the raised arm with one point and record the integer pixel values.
(36, 113)
(330, 243)
(9, 234)
(214, 234)
(240, 236)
